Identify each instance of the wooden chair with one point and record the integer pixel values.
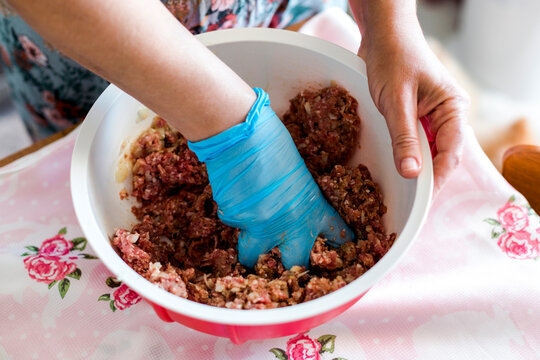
(521, 168)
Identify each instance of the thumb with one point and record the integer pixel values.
(401, 118)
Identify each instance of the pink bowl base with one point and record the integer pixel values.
(239, 334)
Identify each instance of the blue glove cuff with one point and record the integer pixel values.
(209, 148)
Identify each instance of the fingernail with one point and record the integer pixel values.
(409, 164)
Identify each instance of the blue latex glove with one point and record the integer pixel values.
(262, 186)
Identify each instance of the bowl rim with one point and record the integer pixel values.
(83, 206)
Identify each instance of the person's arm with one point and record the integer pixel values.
(258, 178)
(407, 81)
(139, 46)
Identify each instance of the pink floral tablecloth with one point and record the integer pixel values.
(469, 288)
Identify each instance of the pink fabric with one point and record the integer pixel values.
(467, 289)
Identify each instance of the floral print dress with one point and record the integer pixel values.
(52, 92)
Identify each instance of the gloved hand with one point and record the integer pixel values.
(262, 186)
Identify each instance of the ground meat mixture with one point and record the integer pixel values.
(324, 125)
(180, 244)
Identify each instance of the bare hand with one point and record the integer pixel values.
(407, 81)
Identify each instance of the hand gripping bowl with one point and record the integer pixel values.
(282, 63)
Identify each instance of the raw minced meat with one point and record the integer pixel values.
(324, 125)
(168, 279)
(180, 244)
(357, 198)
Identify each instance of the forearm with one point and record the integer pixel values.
(139, 46)
(384, 21)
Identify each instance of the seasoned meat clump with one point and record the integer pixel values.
(325, 126)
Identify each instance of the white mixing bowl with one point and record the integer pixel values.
(282, 63)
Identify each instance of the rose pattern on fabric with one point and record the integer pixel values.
(516, 229)
(22, 60)
(226, 22)
(34, 67)
(56, 246)
(122, 298)
(51, 263)
(33, 53)
(48, 268)
(53, 116)
(513, 217)
(302, 347)
(48, 97)
(221, 5)
(519, 245)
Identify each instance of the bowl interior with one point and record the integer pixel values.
(282, 63)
